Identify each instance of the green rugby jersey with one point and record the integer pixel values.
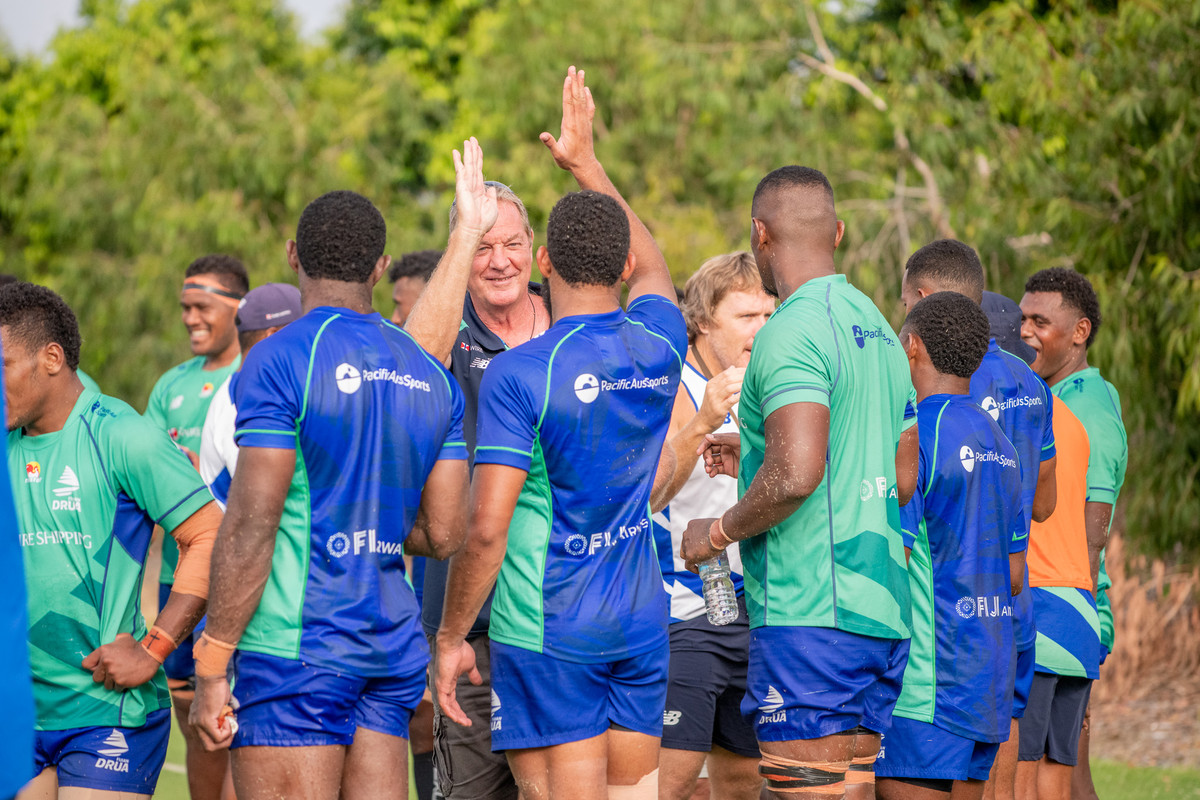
(178, 404)
(88, 497)
(838, 561)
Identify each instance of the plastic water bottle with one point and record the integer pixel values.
(720, 598)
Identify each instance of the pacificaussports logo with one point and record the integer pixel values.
(994, 408)
(969, 457)
(588, 386)
(349, 378)
(863, 335)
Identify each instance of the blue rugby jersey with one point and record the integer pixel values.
(1019, 401)
(369, 413)
(961, 524)
(584, 409)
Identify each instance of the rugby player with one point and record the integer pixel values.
(823, 471)
(960, 527)
(409, 276)
(479, 302)
(16, 686)
(97, 479)
(350, 451)
(1062, 318)
(724, 307)
(579, 648)
(263, 312)
(1019, 400)
(213, 285)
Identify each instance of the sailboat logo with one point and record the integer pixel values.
(115, 745)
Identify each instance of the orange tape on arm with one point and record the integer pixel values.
(196, 536)
(159, 644)
(212, 656)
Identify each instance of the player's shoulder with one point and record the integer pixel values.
(1092, 399)
(177, 373)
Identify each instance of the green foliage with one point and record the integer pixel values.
(1040, 133)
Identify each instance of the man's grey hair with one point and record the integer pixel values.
(503, 195)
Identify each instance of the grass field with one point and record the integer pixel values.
(1113, 781)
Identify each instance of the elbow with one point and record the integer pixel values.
(1041, 512)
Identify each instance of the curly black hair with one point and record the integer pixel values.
(947, 265)
(955, 332)
(228, 270)
(790, 177)
(587, 237)
(1076, 292)
(340, 237)
(417, 264)
(35, 316)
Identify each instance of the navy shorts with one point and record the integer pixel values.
(805, 683)
(287, 703)
(107, 758)
(540, 701)
(914, 749)
(1054, 718)
(704, 699)
(1026, 661)
(179, 665)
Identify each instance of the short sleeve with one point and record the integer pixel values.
(269, 398)
(1106, 464)
(791, 366)
(659, 315)
(910, 409)
(149, 469)
(1048, 449)
(155, 406)
(454, 448)
(509, 408)
(912, 512)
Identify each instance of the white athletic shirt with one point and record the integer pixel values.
(700, 497)
(218, 452)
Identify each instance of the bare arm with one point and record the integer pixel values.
(1016, 567)
(688, 429)
(441, 524)
(907, 453)
(473, 571)
(797, 437)
(573, 151)
(1045, 496)
(434, 320)
(1096, 519)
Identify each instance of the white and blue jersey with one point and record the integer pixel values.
(701, 497)
(961, 525)
(368, 413)
(1019, 401)
(584, 409)
(218, 450)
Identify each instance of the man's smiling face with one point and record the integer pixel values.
(503, 263)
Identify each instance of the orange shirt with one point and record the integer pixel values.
(1058, 553)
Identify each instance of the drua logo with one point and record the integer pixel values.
(496, 719)
(68, 484)
(587, 388)
(862, 335)
(111, 754)
(772, 708)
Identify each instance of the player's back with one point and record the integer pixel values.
(961, 525)
(581, 580)
(368, 413)
(839, 559)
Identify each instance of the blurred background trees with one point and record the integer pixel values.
(1041, 133)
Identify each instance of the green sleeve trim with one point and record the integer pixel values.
(549, 369)
(311, 360)
(292, 434)
(937, 438)
(506, 449)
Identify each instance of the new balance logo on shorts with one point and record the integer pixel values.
(672, 717)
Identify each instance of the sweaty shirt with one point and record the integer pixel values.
(1019, 401)
(178, 404)
(584, 409)
(1068, 630)
(368, 413)
(964, 519)
(838, 561)
(88, 498)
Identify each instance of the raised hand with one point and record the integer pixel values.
(572, 150)
(474, 201)
(720, 395)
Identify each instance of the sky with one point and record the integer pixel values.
(29, 26)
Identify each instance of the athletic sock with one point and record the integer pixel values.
(423, 775)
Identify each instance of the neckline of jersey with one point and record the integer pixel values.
(85, 399)
(816, 284)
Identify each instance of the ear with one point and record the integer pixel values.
(911, 343)
(1083, 329)
(543, 262)
(381, 268)
(841, 231)
(293, 256)
(630, 266)
(759, 236)
(53, 359)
